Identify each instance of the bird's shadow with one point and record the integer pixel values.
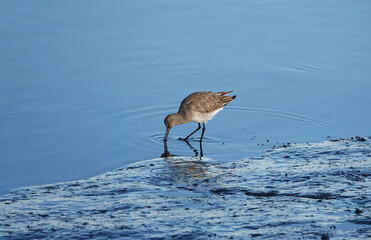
(198, 154)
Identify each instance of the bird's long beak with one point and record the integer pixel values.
(166, 134)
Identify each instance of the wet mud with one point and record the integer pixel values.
(297, 191)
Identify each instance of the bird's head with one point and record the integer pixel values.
(171, 121)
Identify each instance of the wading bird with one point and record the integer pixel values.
(198, 107)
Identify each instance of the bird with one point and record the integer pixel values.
(198, 107)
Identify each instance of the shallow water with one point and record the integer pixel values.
(85, 86)
(301, 191)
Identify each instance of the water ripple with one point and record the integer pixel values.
(285, 115)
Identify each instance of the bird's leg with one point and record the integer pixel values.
(198, 128)
(201, 152)
(203, 131)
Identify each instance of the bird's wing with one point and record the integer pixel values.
(202, 102)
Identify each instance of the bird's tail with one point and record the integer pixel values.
(223, 93)
(226, 99)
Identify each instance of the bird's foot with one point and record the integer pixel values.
(183, 139)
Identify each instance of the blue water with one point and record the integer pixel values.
(85, 85)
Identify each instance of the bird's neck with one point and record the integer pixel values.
(179, 119)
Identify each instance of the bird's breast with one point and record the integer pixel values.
(204, 117)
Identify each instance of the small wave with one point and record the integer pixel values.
(309, 67)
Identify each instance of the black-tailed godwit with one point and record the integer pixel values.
(198, 107)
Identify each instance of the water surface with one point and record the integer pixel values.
(85, 86)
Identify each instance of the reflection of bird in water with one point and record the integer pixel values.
(187, 171)
(195, 150)
(198, 107)
(184, 170)
(167, 154)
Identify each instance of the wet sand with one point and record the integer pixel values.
(297, 191)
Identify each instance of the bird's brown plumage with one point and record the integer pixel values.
(204, 102)
(198, 107)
